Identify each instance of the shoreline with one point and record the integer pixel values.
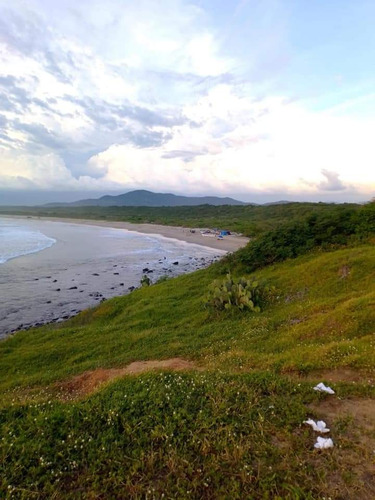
(56, 283)
(229, 243)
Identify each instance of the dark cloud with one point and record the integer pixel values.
(30, 36)
(332, 182)
(40, 136)
(3, 121)
(25, 33)
(110, 115)
(186, 156)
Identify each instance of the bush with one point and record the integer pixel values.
(162, 279)
(145, 281)
(242, 294)
(338, 227)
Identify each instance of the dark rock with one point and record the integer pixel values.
(175, 263)
(72, 288)
(131, 288)
(145, 270)
(116, 273)
(95, 274)
(54, 281)
(36, 279)
(58, 290)
(48, 301)
(121, 284)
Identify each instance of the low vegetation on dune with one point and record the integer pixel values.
(250, 220)
(80, 420)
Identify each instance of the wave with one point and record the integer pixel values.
(16, 241)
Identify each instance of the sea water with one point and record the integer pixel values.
(17, 240)
(52, 270)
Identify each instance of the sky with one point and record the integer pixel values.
(261, 100)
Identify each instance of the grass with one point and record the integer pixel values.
(172, 436)
(320, 320)
(232, 430)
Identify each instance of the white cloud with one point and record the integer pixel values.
(128, 95)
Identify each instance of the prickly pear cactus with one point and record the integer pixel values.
(242, 294)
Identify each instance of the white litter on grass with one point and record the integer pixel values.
(319, 426)
(323, 443)
(323, 388)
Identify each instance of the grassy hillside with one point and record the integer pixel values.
(229, 427)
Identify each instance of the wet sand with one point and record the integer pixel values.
(229, 243)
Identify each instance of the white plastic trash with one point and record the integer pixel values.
(323, 443)
(319, 426)
(323, 388)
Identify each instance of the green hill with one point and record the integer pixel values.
(231, 425)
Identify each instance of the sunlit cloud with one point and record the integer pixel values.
(125, 97)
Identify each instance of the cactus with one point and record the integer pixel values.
(243, 294)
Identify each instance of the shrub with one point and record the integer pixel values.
(145, 281)
(329, 230)
(242, 294)
(162, 279)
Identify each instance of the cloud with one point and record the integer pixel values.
(332, 182)
(167, 101)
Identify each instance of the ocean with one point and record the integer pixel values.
(17, 239)
(49, 271)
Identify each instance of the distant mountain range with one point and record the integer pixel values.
(142, 198)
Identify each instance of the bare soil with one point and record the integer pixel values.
(87, 382)
(352, 468)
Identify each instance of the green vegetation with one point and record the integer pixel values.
(145, 281)
(240, 294)
(336, 227)
(249, 220)
(233, 428)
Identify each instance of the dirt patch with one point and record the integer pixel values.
(341, 375)
(89, 381)
(352, 424)
(344, 271)
(347, 375)
(360, 411)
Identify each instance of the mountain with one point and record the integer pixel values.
(281, 202)
(142, 198)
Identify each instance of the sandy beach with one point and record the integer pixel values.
(92, 261)
(229, 243)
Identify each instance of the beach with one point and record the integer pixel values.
(92, 261)
(229, 243)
